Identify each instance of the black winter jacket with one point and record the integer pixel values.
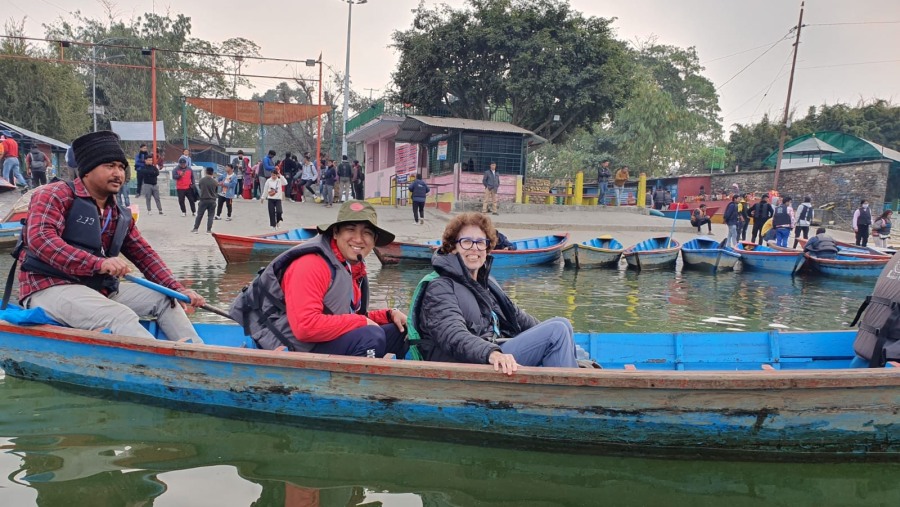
(455, 315)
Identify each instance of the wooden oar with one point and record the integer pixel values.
(174, 294)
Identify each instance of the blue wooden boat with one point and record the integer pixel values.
(602, 252)
(685, 214)
(763, 258)
(752, 394)
(707, 254)
(849, 266)
(654, 253)
(237, 248)
(529, 252)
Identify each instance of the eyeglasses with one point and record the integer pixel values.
(470, 243)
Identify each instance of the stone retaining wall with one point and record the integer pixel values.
(843, 184)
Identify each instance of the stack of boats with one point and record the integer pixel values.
(658, 252)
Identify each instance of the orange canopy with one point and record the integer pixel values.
(273, 113)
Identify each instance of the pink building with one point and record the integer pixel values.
(451, 153)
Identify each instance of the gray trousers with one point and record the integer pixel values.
(550, 343)
(207, 206)
(81, 307)
(151, 191)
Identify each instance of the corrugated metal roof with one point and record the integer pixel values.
(34, 135)
(418, 129)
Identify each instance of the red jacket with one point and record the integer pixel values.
(10, 148)
(304, 284)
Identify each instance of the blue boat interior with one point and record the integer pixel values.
(606, 243)
(761, 248)
(701, 244)
(536, 242)
(726, 351)
(295, 234)
(655, 244)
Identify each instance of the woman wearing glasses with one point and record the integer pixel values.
(464, 316)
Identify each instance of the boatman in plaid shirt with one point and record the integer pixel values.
(70, 260)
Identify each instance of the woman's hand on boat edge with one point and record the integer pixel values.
(505, 362)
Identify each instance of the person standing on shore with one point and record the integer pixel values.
(184, 184)
(357, 179)
(783, 221)
(227, 184)
(744, 212)
(208, 186)
(140, 161)
(761, 211)
(862, 219)
(273, 192)
(491, 182)
(732, 220)
(881, 229)
(804, 219)
(419, 191)
(150, 186)
(619, 184)
(603, 176)
(344, 172)
(329, 176)
(241, 168)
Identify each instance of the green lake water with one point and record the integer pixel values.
(67, 447)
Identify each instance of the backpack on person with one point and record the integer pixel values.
(805, 213)
(38, 160)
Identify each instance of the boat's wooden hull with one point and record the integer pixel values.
(604, 252)
(399, 252)
(826, 413)
(845, 266)
(685, 214)
(652, 254)
(529, 252)
(705, 254)
(768, 259)
(259, 248)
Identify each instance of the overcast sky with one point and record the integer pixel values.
(848, 49)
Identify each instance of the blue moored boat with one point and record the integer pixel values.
(763, 258)
(708, 254)
(849, 266)
(529, 252)
(602, 252)
(654, 253)
(773, 394)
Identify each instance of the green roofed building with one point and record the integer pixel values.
(831, 147)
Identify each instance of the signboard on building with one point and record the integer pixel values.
(406, 157)
(442, 150)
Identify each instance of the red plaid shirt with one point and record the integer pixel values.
(46, 221)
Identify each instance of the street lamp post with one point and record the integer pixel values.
(347, 75)
(312, 63)
(94, 73)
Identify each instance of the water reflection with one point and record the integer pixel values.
(62, 448)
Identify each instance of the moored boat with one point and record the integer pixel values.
(761, 394)
(654, 253)
(763, 258)
(708, 254)
(848, 266)
(685, 214)
(602, 252)
(237, 248)
(528, 252)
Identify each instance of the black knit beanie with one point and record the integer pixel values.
(96, 148)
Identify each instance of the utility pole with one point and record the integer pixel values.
(787, 105)
(370, 92)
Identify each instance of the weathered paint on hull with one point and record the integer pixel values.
(767, 412)
(709, 260)
(406, 253)
(586, 257)
(864, 269)
(237, 249)
(685, 214)
(649, 260)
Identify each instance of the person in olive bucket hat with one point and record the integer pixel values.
(300, 302)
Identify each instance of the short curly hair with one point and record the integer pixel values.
(451, 232)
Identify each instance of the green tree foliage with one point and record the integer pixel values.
(537, 63)
(877, 120)
(40, 96)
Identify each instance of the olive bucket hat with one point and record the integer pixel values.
(359, 211)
